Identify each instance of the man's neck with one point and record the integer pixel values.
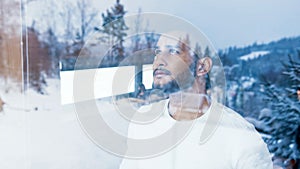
(187, 105)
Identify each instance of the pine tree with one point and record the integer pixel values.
(136, 39)
(114, 28)
(283, 122)
(207, 52)
(198, 51)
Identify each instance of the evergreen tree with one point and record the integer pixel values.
(54, 51)
(283, 122)
(198, 51)
(207, 52)
(114, 29)
(136, 39)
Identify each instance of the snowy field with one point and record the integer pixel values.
(38, 132)
(254, 55)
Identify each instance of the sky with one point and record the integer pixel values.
(225, 22)
(228, 22)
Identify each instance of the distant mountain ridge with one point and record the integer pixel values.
(269, 67)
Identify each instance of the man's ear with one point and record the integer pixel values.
(203, 66)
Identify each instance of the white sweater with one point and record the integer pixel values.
(233, 144)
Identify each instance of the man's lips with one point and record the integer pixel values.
(161, 72)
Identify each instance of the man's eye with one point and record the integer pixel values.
(174, 52)
(157, 51)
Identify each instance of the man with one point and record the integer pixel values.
(231, 142)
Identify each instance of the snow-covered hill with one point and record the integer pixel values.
(254, 55)
(37, 132)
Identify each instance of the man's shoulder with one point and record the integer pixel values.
(247, 143)
(239, 131)
(232, 119)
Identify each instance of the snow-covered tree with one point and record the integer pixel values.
(198, 51)
(283, 122)
(207, 52)
(114, 30)
(55, 50)
(86, 15)
(136, 39)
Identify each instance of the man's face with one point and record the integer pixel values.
(171, 66)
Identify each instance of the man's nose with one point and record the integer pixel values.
(160, 60)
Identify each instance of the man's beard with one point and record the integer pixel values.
(185, 79)
(168, 88)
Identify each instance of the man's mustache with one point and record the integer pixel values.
(161, 70)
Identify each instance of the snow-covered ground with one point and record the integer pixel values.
(38, 132)
(254, 55)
